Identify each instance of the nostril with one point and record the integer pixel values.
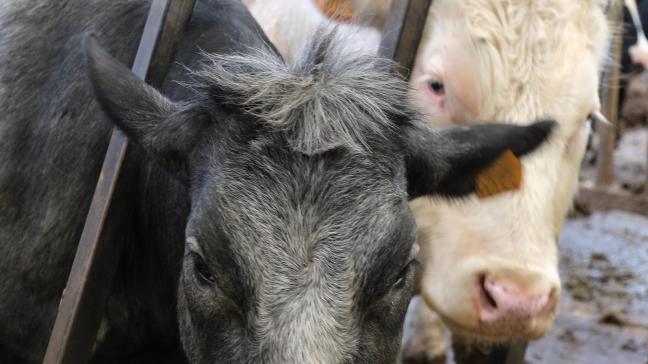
(488, 297)
(551, 300)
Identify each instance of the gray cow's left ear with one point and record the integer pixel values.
(448, 162)
(166, 130)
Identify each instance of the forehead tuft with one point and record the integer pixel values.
(321, 101)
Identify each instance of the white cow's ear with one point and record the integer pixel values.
(457, 161)
(166, 130)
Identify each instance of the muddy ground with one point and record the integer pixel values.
(603, 313)
(630, 165)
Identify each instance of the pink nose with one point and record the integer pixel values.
(514, 300)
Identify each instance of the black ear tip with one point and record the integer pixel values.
(95, 55)
(90, 44)
(92, 50)
(544, 127)
(546, 124)
(99, 62)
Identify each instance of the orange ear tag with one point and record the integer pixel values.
(340, 10)
(505, 174)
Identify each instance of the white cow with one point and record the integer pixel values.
(290, 24)
(491, 265)
(511, 61)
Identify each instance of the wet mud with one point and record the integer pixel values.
(603, 313)
(630, 160)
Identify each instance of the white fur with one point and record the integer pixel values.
(371, 12)
(290, 25)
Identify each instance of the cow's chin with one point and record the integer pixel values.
(502, 332)
(461, 317)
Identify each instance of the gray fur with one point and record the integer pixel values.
(345, 100)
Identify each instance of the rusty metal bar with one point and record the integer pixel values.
(178, 14)
(402, 32)
(604, 199)
(610, 105)
(96, 260)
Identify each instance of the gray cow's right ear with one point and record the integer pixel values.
(448, 162)
(166, 130)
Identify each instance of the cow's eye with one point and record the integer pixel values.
(436, 87)
(201, 270)
(405, 275)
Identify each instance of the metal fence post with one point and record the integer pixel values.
(95, 262)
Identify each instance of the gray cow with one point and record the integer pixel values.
(269, 222)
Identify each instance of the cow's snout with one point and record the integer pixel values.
(516, 301)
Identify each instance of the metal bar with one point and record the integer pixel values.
(605, 199)
(176, 19)
(610, 105)
(95, 262)
(402, 32)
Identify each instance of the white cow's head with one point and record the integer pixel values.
(491, 265)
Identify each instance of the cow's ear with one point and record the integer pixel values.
(166, 130)
(455, 162)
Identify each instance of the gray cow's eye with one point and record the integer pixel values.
(203, 275)
(405, 275)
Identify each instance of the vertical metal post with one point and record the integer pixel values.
(610, 104)
(95, 262)
(402, 32)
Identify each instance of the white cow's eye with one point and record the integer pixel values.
(436, 87)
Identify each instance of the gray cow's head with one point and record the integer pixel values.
(300, 245)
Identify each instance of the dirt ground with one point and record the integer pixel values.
(630, 165)
(603, 313)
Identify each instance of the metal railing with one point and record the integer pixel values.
(602, 193)
(96, 259)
